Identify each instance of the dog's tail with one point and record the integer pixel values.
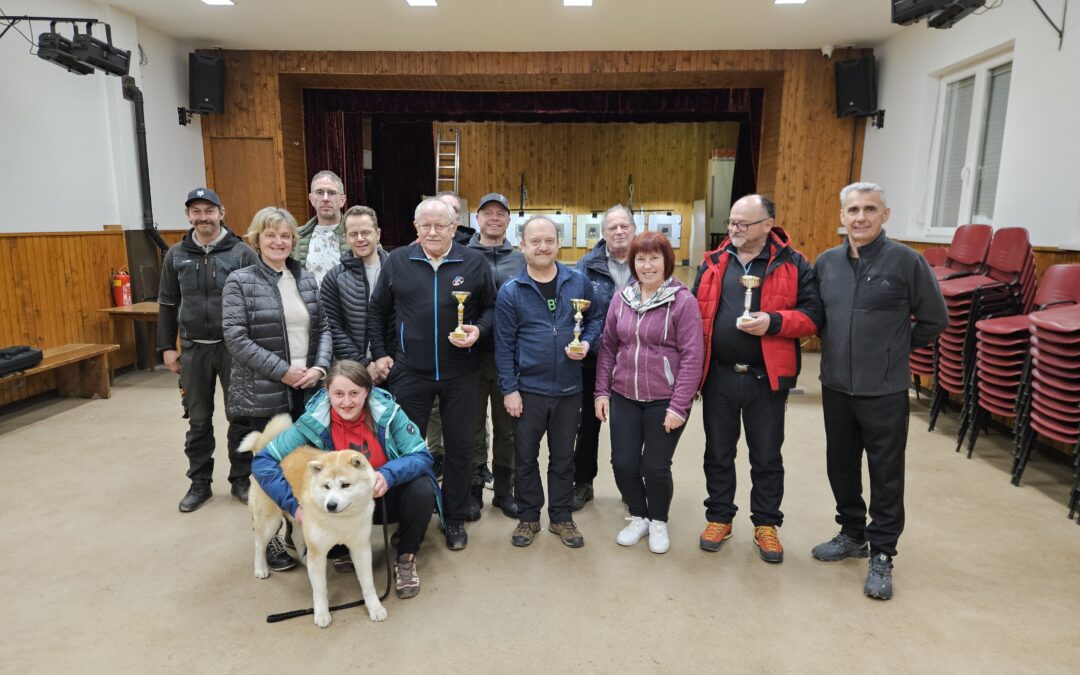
(257, 440)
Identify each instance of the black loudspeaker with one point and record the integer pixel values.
(206, 83)
(856, 87)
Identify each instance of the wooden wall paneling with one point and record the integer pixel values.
(247, 177)
(51, 288)
(293, 148)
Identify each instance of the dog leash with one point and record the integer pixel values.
(283, 616)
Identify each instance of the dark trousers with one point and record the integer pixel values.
(587, 444)
(557, 417)
(457, 407)
(641, 453)
(410, 505)
(727, 396)
(502, 429)
(878, 425)
(201, 365)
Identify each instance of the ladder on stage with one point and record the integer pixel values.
(447, 160)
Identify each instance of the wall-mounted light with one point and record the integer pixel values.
(422, 3)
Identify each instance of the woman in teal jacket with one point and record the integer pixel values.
(350, 413)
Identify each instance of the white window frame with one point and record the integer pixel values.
(979, 109)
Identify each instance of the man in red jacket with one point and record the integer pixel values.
(750, 366)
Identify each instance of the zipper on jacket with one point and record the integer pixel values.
(206, 305)
(435, 302)
(637, 350)
(401, 335)
(851, 327)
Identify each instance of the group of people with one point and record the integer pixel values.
(378, 351)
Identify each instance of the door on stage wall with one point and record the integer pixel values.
(244, 178)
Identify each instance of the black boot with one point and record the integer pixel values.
(196, 496)
(476, 501)
(240, 490)
(504, 492)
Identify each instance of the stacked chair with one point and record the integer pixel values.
(1005, 286)
(965, 255)
(1050, 403)
(1002, 363)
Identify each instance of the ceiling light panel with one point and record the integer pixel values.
(577, 3)
(218, 2)
(422, 3)
(790, 2)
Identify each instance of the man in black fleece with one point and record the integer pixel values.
(871, 288)
(413, 297)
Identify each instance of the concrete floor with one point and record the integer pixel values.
(102, 574)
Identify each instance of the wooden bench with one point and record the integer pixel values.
(81, 370)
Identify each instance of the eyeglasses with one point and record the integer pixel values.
(743, 227)
(356, 234)
(430, 228)
(325, 194)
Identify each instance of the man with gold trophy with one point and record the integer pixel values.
(436, 297)
(757, 297)
(546, 310)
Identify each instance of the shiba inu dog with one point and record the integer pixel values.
(335, 490)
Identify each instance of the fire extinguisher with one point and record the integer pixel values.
(121, 287)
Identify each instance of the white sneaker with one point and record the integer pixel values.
(658, 537)
(632, 533)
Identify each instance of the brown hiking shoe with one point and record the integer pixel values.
(408, 583)
(714, 536)
(524, 533)
(768, 543)
(568, 533)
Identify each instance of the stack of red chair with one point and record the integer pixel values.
(1052, 409)
(965, 255)
(1006, 287)
(1001, 351)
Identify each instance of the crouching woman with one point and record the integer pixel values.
(352, 414)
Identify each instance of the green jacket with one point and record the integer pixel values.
(301, 249)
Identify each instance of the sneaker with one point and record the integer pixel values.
(524, 533)
(839, 547)
(879, 578)
(344, 565)
(568, 533)
(506, 504)
(768, 544)
(277, 557)
(714, 536)
(476, 502)
(658, 537)
(583, 493)
(632, 533)
(487, 477)
(240, 490)
(408, 583)
(456, 537)
(196, 496)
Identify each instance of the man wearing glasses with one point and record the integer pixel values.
(322, 239)
(414, 298)
(751, 365)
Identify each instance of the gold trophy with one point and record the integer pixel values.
(459, 332)
(580, 305)
(750, 282)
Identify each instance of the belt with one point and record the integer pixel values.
(741, 368)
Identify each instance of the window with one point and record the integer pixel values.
(967, 145)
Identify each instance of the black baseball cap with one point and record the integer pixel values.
(204, 194)
(493, 197)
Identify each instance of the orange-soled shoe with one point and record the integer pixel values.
(714, 536)
(768, 544)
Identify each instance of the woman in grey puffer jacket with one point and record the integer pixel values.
(273, 327)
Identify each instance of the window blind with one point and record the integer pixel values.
(956, 124)
(993, 134)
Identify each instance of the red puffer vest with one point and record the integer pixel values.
(779, 293)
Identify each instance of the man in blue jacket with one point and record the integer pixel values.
(540, 377)
(413, 297)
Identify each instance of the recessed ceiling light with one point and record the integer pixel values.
(422, 3)
(218, 2)
(790, 2)
(577, 3)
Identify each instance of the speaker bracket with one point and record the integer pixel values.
(184, 115)
(879, 119)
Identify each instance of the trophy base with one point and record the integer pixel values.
(743, 320)
(458, 335)
(578, 348)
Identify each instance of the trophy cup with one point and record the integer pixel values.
(580, 305)
(750, 282)
(459, 332)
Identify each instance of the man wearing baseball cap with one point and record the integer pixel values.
(192, 276)
(492, 219)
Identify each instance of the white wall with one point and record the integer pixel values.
(1039, 181)
(68, 158)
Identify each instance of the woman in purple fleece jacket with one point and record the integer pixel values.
(647, 373)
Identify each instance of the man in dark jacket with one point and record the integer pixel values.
(881, 301)
(607, 268)
(751, 365)
(540, 376)
(414, 296)
(192, 276)
(493, 217)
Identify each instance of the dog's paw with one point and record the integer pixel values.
(322, 619)
(262, 571)
(376, 612)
